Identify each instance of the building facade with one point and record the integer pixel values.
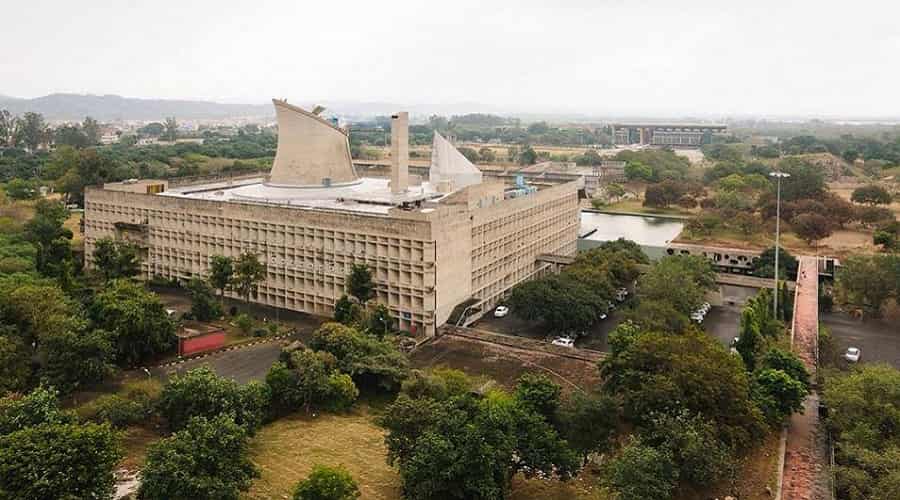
(429, 251)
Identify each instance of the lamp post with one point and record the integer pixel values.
(778, 176)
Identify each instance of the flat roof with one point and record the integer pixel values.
(368, 194)
(671, 125)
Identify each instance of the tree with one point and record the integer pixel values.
(872, 194)
(528, 156)
(539, 394)
(812, 227)
(33, 130)
(248, 272)
(868, 281)
(680, 280)
(116, 259)
(202, 393)
(136, 319)
(19, 189)
(52, 240)
(171, 129)
(359, 283)
(58, 461)
(469, 153)
(589, 423)
(806, 180)
(304, 382)
(764, 266)
(637, 171)
(40, 406)
(15, 362)
(380, 321)
(487, 155)
(9, 128)
(221, 273)
(700, 457)
(640, 472)
(346, 311)
(91, 130)
(327, 483)
(204, 306)
(653, 373)
(777, 394)
(371, 362)
(206, 460)
(70, 135)
(615, 191)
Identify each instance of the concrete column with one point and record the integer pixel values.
(400, 152)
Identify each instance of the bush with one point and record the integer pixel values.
(327, 483)
(117, 410)
(342, 392)
(244, 323)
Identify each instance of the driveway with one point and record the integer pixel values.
(241, 364)
(878, 340)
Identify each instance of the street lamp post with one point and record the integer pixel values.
(778, 176)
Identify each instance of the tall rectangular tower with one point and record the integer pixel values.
(399, 152)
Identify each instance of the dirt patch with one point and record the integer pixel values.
(504, 364)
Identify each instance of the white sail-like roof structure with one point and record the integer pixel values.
(448, 164)
(311, 151)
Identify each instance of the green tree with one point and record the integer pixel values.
(528, 156)
(221, 272)
(868, 281)
(15, 362)
(9, 128)
(70, 135)
(248, 273)
(640, 472)
(202, 393)
(346, 311)
(539, 394)
(327, 483)
(371, 362)
(91, 130)
(40, 406)
(206, 460)
(872, 194)
(116, 259)
(777, 394)
(33, 130)
(764, 266)
(487, 155)
(136, 319)
(380, 321)
(589, 423)
(204, 306)
(653, 373)
(19, 189)
(359, 283)
(70, 460)
(46, 231)
(171, 129)
(680, 280)
(700, 457)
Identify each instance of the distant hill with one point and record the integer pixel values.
(113, 107)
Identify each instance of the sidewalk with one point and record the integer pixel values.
(805, 461)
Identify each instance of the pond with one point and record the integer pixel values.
(652, 233)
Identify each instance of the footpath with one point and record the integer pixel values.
(806, 450)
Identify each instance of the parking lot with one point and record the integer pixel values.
(878, 339)
(723, 323)
(512, 324)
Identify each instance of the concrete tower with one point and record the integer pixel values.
(399, 152)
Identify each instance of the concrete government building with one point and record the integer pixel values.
(434, 245)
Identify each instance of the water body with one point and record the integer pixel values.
(651, 233)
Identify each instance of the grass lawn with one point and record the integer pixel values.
(286, 450)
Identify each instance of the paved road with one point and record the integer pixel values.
(723, 323)
(878, 340)
(243, 365)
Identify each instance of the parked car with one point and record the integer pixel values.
(603, 316)
(564, 342)
(852, 355)
(501, 311)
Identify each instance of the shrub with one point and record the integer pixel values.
(327, 483)
(244, 323)
(117, 410)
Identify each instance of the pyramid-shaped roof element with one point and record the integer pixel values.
(448, 164)
(311, 151)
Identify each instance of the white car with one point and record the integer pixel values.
(603, 316)
(564, 342)
(501, 311)
(852, 355)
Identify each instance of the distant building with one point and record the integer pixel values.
(446, 247)
(665, 134)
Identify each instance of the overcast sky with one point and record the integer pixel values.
(652, 57)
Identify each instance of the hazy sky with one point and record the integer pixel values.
(781, 57)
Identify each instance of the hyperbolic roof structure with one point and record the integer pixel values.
(311, 151)
(448, 164)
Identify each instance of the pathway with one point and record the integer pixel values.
(805, 460)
